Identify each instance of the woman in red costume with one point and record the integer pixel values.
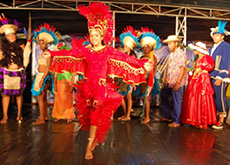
(198, 107)
(97, 98)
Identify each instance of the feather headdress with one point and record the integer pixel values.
(150, 38)
(47, 33)
(129, 37)
(220, 29)
(100, 18)
(8, 27)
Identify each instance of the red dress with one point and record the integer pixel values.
(97, 98)
(198, 107)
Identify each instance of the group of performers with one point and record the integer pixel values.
(98, 96)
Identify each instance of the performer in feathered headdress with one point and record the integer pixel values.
(221, 55)
(129, 39)
(149, 42)
(97, 98)
(43, 36)
(12, 71)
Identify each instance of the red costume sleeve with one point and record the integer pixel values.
(68, 60)
(204, 84)
(126, 67)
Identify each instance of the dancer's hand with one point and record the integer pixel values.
(134, 87)
(218, 82)
(176, 87)
(148, 66)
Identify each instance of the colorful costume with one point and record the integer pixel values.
(97, 98)
(176, 60)
(128, 38)
(47, 33)
(63, 104)
(221, 56)
(148, 37)
(12, 81)
(198, 107)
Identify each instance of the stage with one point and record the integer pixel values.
(127, 143)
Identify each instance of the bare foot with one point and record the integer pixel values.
(88, 153)
(69, 120)
(38, 122)
(46, 118)
(19, 118)
(120, 118)
(3, 121)
(95, 144)
(165, 119)
(126, 119)
(174, 125)
(145, 121)
(56, 120)
(228, 121)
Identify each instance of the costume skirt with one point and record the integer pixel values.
(36, 90)
(96, 105)
(12, 82)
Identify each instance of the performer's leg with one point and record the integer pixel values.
(5, 105)
(123, 105)
(147, 110)
(220, 97)
(147, 106)
(176, 108)
(41, 104)
(129, 107)
(46, 107)
(92, 134)
(19, 105)
(166, 92)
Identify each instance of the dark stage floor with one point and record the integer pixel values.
(127, 143)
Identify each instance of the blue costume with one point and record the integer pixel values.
(221, 55)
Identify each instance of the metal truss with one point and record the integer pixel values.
(181, 28)
(181, 13)
(150, 8)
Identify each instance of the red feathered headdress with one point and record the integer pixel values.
(99, 17)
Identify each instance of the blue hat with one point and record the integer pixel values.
(220, 29)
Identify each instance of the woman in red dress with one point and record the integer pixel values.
(97, 98)
(198, 107)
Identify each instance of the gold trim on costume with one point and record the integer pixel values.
(69, 59)
(95, 103)
(88, 102)
(222, 99)
(217, 63)
(102, 82)
(126, 66)
(223, 71)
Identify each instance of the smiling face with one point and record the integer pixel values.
(95, 38)
(42, 44)
(11, 37)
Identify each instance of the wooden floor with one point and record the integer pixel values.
(127, 142)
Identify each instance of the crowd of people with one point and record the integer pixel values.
(109, 75)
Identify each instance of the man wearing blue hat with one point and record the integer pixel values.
(221, 54)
